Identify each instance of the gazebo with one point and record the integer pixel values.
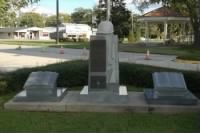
(163, 15)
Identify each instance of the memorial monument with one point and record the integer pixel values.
(169, 88)
(41, 86)
(104, 60)
(103, 92)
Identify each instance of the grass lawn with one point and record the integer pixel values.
(27, 42)
(38, 42)
(74, 45)
(15, 121)
(183, 52)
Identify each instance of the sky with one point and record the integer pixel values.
(68, 6)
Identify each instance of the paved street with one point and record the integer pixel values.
(31, 56)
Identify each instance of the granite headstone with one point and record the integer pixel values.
(169, 88)
(41, 86)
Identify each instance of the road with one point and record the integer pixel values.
(32, 56)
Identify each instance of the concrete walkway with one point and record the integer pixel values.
(32, 56)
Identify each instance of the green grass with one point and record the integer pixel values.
(183, 52)
(27, 42)
(51, 43)
(77, 45)
(14, 121)
(133, 88)
(4, 98)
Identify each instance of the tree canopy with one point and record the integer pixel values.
(120, 16)
(81, 15)
(63, 18)
(8, 8)
(31, 19)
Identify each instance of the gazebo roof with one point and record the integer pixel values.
(163, 14)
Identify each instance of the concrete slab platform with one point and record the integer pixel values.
(22, 97)
(122, 91)
(188, 99)
(72, 102)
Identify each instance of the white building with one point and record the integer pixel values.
(31, 33)
(34, 33)
(9, 33)
(48, 31)
(78, 31)
(68, 31)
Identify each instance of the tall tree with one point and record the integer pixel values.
(120, 16)
(8, 9)
(63, 18)
(81, 15)
(190, 7)
(31, 19)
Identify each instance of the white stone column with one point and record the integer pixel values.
(183, 32)
(147, 32)
(184, 28)
(139, 32)
(18, 35)
(165, 30)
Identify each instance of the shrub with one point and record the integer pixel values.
(72, 73)
(141, 76)
(75, 73)
(83, 40)
(189, 57)
(3, 86)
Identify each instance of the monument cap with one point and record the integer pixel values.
(105, 27)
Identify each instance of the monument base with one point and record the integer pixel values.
(188, 99)
(22, 97)
(104, 95)
(72, 103)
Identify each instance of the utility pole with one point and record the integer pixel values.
(198, 12)
(108, 9)
(57, 22)
(198, 21)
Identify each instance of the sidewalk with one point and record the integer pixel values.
(32, 56)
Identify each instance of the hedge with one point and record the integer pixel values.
(75, 73)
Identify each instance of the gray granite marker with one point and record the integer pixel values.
(41, 86)
(169, 88)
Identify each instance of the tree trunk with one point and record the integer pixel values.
(197, 26)
(196, 33)
(197, 38)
